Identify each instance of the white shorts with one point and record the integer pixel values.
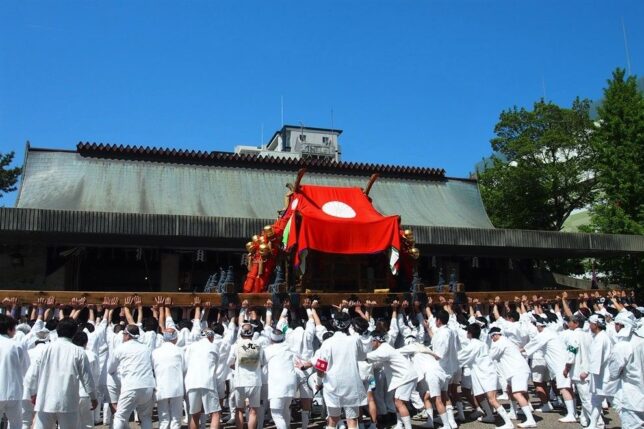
(403, 392)
(203, 400)
(304, 390)
(279, 403)
(540, 373)
(482, 386)
(349, 412)
(518, 383)
(434, 384)
(252, 393)
(562, 382)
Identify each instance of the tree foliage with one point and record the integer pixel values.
(8, 176)
(619, 170)
(540, 173)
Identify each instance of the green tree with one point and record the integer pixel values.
(8, 176)
(619, 171)
(539, 174)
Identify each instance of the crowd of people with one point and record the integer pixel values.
(76, 364)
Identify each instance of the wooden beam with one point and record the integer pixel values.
(180, 299)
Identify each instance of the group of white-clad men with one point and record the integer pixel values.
(435, 358)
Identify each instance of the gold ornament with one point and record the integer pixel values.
(249, 246)
(268, 232)
(414, 253)
(255, 239)
(264, 250)
(409, 234)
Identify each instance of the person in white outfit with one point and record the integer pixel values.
(133, 362)
(554, 350)
(404, 377)
(597, 368)
(475, 354)
(201, 360)
(627, 365)
(246, 359)
(168, 369)
(85, 413)
(445, 344)
(282, 379)
(14, 362)
(516, 371)
(337, 370)
(54, 383)
(577, 346)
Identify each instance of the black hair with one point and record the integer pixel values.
(67, 328)
(51, 324)
(132, 330)
(80, 339)
(88, 326)
(495, 330)
(7, 323)
(474, 330)
(118, 328)
(218, 328)
(150, 324)
(360, 325)
(327, 335)
(482, 320)
(514, 315)
(443, 316)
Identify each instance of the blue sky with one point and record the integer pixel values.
(410, 82)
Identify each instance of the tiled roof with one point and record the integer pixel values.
(100, 150)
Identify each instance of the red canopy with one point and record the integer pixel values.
(338, 220)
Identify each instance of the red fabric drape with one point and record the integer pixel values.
(339, 220)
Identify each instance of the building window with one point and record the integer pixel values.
(302, 137)
(325, 140)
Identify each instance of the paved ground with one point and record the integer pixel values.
(544, 421)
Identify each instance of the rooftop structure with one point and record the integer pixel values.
(299, 142)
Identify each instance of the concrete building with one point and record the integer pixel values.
(299, 143)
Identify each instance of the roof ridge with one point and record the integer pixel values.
(183, 156)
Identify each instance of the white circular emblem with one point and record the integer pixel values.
(294, 204)
(338, 209)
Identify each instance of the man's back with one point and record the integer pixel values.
(12, 362)
(342, 379)
(134, 365)
(201, 365)
(56, 377)
(168, 369)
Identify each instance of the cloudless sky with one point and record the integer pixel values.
(410, 82)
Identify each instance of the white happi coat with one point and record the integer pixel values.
(133, 362)
(342, 386)
(577, 347)
(445, 344)
(510, 360)
(14, 362)
(475, 354)
(201, 360)
(95, 370)
(168, 371)
(55, 379)
(627, 364)
(553, 348)
(401, 370)
(280, 364)
(599, 353)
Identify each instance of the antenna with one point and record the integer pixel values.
(628, 55)
(282, 108)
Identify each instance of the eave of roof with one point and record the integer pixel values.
(102, 228)
(154, 154)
